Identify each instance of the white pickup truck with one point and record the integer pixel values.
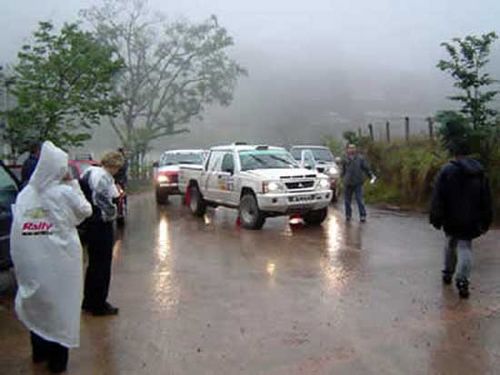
(259, 181)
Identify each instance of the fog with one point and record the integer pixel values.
(315, 67)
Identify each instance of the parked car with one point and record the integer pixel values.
(78, 168)
(322, 160)
(9, 188)
(16, 170)
(259, 181)
(166, 177)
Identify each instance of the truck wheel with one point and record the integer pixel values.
(315, 217)
(250, 215)
(197, 204)
(161, 198)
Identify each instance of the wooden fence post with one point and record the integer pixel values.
(388, 131)
(370, 129)
(407, 129)
(430, 120)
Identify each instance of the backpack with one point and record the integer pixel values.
(83, 227)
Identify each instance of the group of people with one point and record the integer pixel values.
(461, 205)
(47, 252)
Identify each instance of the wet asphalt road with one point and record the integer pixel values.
(204, 297)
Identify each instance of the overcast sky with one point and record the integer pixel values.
(362, 50)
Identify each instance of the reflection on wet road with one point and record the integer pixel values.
(205, 297)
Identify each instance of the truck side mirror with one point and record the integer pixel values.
(229, 170)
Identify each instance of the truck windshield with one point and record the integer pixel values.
(320, 154)
(181, 158)
(266, 159)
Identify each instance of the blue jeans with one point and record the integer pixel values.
(458, 256)
(358, 193)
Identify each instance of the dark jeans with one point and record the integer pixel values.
(97, 279)
(43, 350)
(357, 190)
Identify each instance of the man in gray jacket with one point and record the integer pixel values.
(354, 169)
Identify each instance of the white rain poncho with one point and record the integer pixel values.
(46, 250)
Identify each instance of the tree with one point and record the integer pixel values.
(174, 70)
(62, 85)
(468, 58)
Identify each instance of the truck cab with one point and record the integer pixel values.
(260, 181)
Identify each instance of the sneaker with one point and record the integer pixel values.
(347, 218)
(107, 310)
(463, 288)
(447, 278)
(362, 219)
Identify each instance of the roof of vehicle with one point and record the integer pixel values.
(193, 151)
(240, 147)
(309, 146)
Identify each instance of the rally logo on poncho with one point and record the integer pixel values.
(37, 223)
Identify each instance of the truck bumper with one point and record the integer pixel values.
(170, 188)
(295, 202)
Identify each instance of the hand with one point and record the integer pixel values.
(373, 179)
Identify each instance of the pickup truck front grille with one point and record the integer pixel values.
(298, 185)
(297, 177)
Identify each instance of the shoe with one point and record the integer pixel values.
(447, 278)
(463, 288)
(362, 219)
(107, 310)
(347, 218)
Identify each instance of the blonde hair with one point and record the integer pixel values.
(113, 159)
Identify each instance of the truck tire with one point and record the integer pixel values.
(250, 215)
(161, 198)
(197, 204)
(315, 218)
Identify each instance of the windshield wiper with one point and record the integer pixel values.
(285, 161)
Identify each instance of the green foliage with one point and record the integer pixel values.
(174, 70)
(63, 85)
(468, 56)
(351, 137)
(467, 60)
(406, 171)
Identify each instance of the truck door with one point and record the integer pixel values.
(210, 177)
(226, 179)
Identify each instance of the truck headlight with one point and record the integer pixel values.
(272, 187)
(333, 171)
(324, 184)
(162, 179)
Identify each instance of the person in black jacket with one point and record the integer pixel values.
(462, 206)
(30, 163)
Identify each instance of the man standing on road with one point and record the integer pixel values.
(354, 169)
(462, 206)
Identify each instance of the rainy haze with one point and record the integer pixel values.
(315, 68)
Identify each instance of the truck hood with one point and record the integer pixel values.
(279, 174)
(169, 168)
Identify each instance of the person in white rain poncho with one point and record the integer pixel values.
(47, 256)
